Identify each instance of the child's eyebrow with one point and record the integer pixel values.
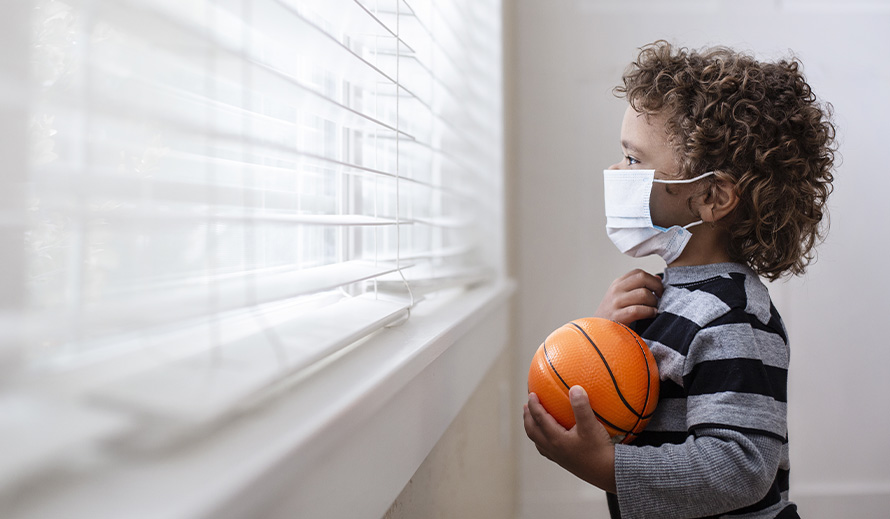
(629, 146)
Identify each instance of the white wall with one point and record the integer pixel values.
(569, 54)
(470, 473)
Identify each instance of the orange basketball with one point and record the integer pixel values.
(611, 362)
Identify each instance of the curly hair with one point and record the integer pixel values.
(760, 127)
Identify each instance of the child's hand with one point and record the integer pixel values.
(631, 297)
(585, 450)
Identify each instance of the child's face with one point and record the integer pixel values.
(645, 144)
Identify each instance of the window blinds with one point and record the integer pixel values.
(204, 197)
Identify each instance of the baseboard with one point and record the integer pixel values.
(847, 500)
(853, 500)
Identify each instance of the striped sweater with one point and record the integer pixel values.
(717, 443)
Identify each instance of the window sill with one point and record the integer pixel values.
(342, 439)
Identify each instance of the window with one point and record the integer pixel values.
(205, 197)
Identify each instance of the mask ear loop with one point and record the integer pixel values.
(687, 181)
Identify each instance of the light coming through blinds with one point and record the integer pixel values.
(201, 198)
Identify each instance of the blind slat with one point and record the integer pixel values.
(183, 396)
(431, 279)
(183, 302)
(123, 216)
(435, 253)
(109, 181)
(198, 47)
(163, 107)
(161, 302)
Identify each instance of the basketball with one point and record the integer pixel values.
(611, 362)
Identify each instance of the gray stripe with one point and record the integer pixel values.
(737, 341)
(670, 362)
(758, 299)
(699, 307)
(744, 410)
(784, 460)
(670, 416)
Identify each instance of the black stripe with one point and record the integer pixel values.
(739, 316)
(789, 512)
(547, 356)
(730, 290)
(641, 325)
(659, 438)
(783, 480)
(611, 375)
(743, 430)
(670, 389)
(740, 279)
(776, 324)
(772, 497)
(614, 508)
(733, 316)
(674, 331)
(739, 376)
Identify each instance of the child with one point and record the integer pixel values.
(726, 173)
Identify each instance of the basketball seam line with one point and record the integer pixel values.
(599, 417)
(612, 375)
(648, 374)
(547, 356)
(610, 424)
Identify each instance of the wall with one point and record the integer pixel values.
(470, 472)
(570, 53)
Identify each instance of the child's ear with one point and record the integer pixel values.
(721, 200)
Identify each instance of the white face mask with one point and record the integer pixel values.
(628, 221)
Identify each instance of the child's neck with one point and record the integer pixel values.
(708, 245)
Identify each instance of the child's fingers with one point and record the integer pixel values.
(637, 296)
(631, 297)
(630, 314)
(639, 278)
(543, 421)
(532, 429)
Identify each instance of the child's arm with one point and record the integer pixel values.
(714, 471)
(585, 450)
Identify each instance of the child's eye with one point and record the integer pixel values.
(630, 160)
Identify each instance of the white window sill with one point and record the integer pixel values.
(340, 442)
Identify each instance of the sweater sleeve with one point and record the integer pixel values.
(714, 471)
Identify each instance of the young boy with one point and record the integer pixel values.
(726, 171)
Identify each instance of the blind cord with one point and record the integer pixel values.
(398, 170)
(249, 242)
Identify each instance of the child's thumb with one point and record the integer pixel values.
(584, 416)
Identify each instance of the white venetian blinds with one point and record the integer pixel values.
(210, 195)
